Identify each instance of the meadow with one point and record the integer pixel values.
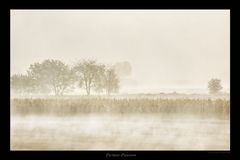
(73, 106)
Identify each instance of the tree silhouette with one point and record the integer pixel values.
(89, 74)
(53, 75)
(111, 81)
(214, 86)
(22, 84)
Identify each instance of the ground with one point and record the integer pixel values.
(119, 132)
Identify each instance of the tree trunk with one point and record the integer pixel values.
(88, 90)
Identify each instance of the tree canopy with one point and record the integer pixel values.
(214, 86)
(89, 73)
(53, 75)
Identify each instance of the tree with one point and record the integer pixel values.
(111, 81)
(214, 86)
(53, 75)
(99, 80)
(22, 84)
(89, 74)
(123, 69)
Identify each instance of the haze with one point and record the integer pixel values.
(166, 48)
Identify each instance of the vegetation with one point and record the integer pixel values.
(214, 86)
(111, 82)
(54, 76)
(22, 84)
(71, 106)
(123, 69)
(89, 74)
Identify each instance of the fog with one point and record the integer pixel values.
(177, 49)
(114, 132)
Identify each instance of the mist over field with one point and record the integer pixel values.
(120, 80)
(119, 132)
(134, 123)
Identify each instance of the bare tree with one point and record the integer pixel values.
(214, 86)
(89, 74)
(52, 74)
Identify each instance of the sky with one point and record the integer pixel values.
(166, 48)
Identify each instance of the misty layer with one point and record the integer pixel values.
(119, 132)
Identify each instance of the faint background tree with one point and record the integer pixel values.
(214, 86)
(53, 75)
(123, 69)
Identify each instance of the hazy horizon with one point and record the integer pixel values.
(180, 49)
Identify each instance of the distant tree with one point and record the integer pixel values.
(20, 83)
(23, 84)
(123, 69)
(100, 80)
(89, 75)
(214, 86)
(111, 81)
(53, 75)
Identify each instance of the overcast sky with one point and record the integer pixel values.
(166, 48)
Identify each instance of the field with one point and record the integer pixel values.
(133, 123)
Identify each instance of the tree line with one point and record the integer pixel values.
(54, 76)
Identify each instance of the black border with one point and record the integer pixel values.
(5, 108)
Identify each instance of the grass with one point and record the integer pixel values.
(74, 106)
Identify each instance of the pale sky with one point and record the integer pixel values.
(166, 48)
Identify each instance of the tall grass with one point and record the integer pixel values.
(75, 106)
